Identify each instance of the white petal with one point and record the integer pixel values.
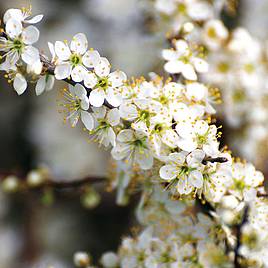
(78, 73)
(120, 151)
(143, 158)
(52, 50)
(85, 103)
(114, 98)
(62, 50)
(125, 135)
(174, 67)
(63, 71)
(113, 117)
(170, 54)
(49, 82)
(195, 158)
(189, 72)
(30, 35)
(13, 13)
(20, 83)
(170, 138)
(187, 145)
(185, 129)
(103, 67)
(183, 187)
(96, 97)
(91, 58)
(182, 47)
(168, 172)
(196, 179)
(99, 112)
(35, 19)
(87, 120)
(30, 55)
(117, 78)
(177, 158)
(128, 111)
(13, 28)
(200, 65)
(201, 127)
(195, 91)
(111, 136)
(79, 91)
(40, 85)
(79, 43)
(90, 80)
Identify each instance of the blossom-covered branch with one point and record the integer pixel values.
(162, 137)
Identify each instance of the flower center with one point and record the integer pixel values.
(182, 8)
(75, 59)
(212, 33)
(144, 115)
(158, 128)
(164, 99)
(223, 67)
(249, 68)
(239, 184)
(201, 139)
(103, 83)
(239, 95)
(17, 45)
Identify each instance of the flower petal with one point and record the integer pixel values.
(117, 78)
(20, 83)
(30, 35)
(30, 55)
(40, 85)
(87, 120)
(63, 71)
(113, 117)
(91, 58)
(13, 13)
(103, 67)
(35, 19)
(125, 135)
(13, 28)
(168, 172)
(196, 179)
(62, 50)
(189, 72)
(78, 73)
(96, 97)
(79, 43)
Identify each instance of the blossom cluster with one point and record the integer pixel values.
(238, 66)
(163, 136)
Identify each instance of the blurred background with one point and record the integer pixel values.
(33, 134)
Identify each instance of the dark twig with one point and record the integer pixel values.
(238, 228)
(56, 185)
(214, 160)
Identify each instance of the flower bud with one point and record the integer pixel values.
(90, 198)
(10, 184)
(35, 178)
(109, 260)
(81, 259)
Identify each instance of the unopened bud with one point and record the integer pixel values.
(91, 198)
(35, 178)
(109, 260)
(10, 184)
(81, 259)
